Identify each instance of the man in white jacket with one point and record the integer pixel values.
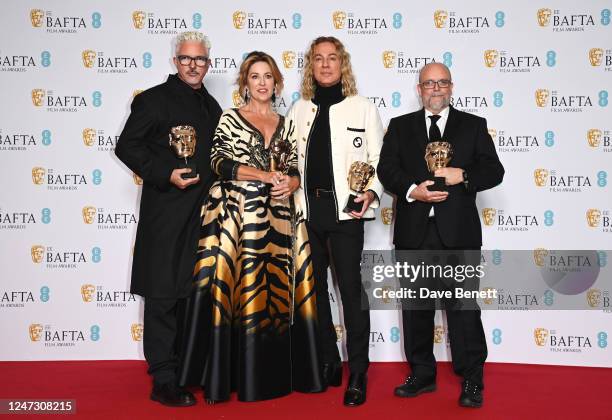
(335, 128)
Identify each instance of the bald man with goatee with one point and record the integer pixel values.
(440, 219)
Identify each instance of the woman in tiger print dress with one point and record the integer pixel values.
(254, 302)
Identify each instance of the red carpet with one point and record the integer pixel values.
(119, 389)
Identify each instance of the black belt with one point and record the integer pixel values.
(320, 192)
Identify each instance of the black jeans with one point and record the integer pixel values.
(345, 246)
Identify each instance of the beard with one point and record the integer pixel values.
(440, 102)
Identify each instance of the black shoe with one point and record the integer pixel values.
(355, 393)
(414, 386)
(471, 395)
(172, 395)
(332, 373)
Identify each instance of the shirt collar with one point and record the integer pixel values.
(443, 114)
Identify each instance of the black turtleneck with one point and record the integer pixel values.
(319, 170)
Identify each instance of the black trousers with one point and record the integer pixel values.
(467, 339)
(345, 246)
(160, 337)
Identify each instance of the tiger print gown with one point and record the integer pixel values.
(251, 323)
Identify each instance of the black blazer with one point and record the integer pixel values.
(402, 164)
(169, 219)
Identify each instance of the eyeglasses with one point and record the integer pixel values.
(186, 60)
(442, 83)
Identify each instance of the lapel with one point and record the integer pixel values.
(452, 123)
(421, 128)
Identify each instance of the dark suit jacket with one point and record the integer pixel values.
(402, 164)
(169, 221)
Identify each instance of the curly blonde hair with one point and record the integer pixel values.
(349, 86)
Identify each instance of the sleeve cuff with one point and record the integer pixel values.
(293, 171)
(228, 168)
(408, 198)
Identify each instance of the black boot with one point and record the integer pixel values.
(172, 395)
(356, 390)
(332, 373)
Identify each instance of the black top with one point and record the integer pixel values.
(169, 218)
(319, 173)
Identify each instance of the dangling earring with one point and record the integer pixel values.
(274, 96)
(246, 95)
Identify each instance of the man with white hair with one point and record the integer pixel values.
(168, 227)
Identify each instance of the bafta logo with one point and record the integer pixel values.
(540, 335)
(493, 133)
(490, 58)
(540, 176)
(38, 175)
(237, 99)
(440, 17)
(544, 17)
(89, 136)
(594, 137)
(541, 97)
(593, 217)
(137, 331)
(596, 56)
(87, 292)
(38, 96)
(388, 59)
(593, 297)
(35, 332)
(238, 18)
(288, 59)
(488, 215)
(89, 214)
(438, 334)
(137, 179)
(89, 58)
(339, 19)
(37, 252)
(488, 300)
(36, 17)
(539, 256)
(387, 215)
(339, 332)
(138, 19)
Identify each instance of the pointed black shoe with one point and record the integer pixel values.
(414, 386)
(471, 395)
(172, 395)
(332, 373)
(355, 393)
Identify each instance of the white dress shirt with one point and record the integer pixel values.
(441, 125)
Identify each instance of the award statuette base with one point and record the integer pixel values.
(438, 185)
(352, 206)
(189, 175)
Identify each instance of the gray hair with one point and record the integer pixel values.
(191, 36)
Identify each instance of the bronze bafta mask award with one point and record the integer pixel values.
(280, 150)
(359, 177)
(183, 142)
(438, 155)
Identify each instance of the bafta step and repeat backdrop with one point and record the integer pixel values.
(540, 72)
